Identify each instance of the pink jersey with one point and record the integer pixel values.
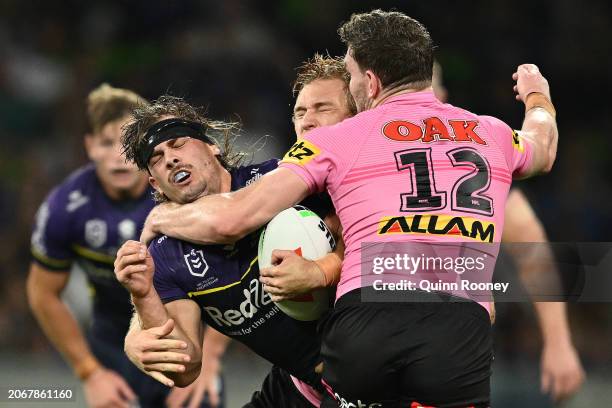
(411, 169)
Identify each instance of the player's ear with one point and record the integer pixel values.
(215, 149)
(155, 185)
(374, 84)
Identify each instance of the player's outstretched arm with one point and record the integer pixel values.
(561, 371)
(134, 268)
(102, 387)
(225, 218)
(540, 125)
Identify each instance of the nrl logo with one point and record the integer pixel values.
(127, 229)
(196, 263)
(95, 232)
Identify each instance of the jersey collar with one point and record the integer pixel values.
(413, 98)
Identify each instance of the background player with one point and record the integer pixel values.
(317, 157)
(561, 373)
(84, 220)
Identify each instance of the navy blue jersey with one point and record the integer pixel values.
(79, 223)
(224, 281)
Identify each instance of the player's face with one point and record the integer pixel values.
(184, 169)
(119, 178)
(320, 103)
(359, 82)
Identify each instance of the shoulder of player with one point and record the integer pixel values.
(489, 124)
(261, 167)
(245, 175)
(83, 177)
(492, 121)
(165, 251)
(163, 244)
(171, 249)
(73, 192)
(496, 129)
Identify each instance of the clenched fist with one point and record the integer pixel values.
(529, 79)
(134, 268)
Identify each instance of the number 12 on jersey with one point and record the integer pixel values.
(467, 194)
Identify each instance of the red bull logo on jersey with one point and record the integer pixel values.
(448, 225)
(255, 299)
(433, 130)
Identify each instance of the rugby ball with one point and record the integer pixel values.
(300, 230)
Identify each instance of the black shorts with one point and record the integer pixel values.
(278, 391)
(394, 354)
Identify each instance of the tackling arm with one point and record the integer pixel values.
(225, 218)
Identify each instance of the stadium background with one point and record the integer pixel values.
(238, 58)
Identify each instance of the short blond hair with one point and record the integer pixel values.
(324, 67)
(106, 104)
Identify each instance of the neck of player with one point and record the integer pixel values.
(393, 91)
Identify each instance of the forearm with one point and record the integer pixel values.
(540, 129)
(217, 219)
(60, 327)
(554, 326)
(538, 274)
(133, 331)
(331, 265)
(151, 312)
(197, 222)
(534, 258)
(135, 325)
(225, 218)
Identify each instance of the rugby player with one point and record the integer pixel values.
(84, 220)
(217, 284)
(323, 100)
(434, 353)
